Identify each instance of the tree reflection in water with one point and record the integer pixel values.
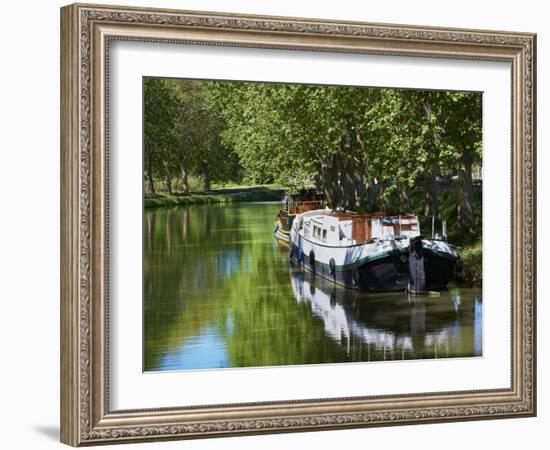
(219, 292)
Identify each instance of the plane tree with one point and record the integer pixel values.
(182, 136)
(299, 135)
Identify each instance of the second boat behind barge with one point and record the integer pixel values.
(292, 205)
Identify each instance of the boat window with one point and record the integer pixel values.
(324, 235)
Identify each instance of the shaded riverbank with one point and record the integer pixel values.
(472, 266)
(265, 193)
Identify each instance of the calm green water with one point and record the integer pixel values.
(219, 292)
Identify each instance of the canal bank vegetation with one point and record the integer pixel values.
(366, 149)
(472, 266)
(267, 193)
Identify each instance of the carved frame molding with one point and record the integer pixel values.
(86, 32)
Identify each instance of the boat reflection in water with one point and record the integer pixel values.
(394, 326)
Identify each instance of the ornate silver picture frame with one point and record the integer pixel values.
(87, 32)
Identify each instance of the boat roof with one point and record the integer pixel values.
(349, 215)
(376, 215)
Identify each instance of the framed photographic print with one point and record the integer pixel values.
(275, 224)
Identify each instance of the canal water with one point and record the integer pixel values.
(218, 292)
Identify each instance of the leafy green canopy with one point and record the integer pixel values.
(182, 134)
(361, 146)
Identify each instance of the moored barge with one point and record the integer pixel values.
(371, 252)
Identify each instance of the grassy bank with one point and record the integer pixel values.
(472, 266)
(264, 193)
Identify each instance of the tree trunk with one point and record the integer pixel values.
(184, 179)
(384, 202)
(360, 172)
(348, 190)
(465, 194)
(430, 196)
(149, 174)
(405, 200)
(372, 194)
(168, 184)
(332, 192)
(167, 179)
(347, 168)
(329, 182)
(360, 192)
(206, 176)
(430, 192)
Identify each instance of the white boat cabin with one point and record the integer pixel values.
(345, 229)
